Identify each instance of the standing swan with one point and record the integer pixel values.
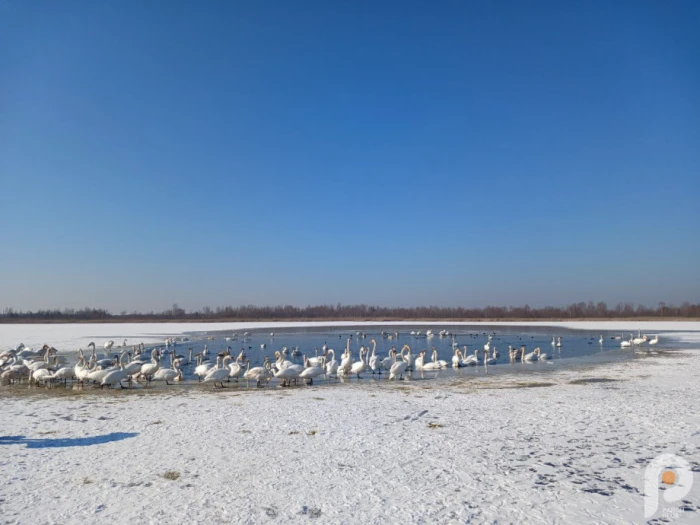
(258, 373)
(167, 374)
(220, 373)
(398, 368)
(457, 358)
(408, 357)
(332, 365)
(359, 366)
(346, 361)
(115, 377)
(311, 371)
(151, 368)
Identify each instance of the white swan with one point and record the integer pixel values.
(471, 359)
(346, 361)
(148, 369)
(258, 373)
(541, 356)
(236, 370)
(626, 344)
(489, 360)
(640, 340)
(220, 373)
(359, 366)
(418, 363)
(408, 357)
(280, 362)
(311, 371)
(332, 365)
(600, 340)
(98, 374)
(167, 374)
(202, 368)
(40, 376)
(388, 361)
(65, 373)
(441, 362)
(398, 368)
(286, 375)
(83, 372)
(655, 340)
(134, 367)
(434, 364)
(457, 358)
(115, 377)
(318, 360)
(375, 364)
(532, 356)
(559, 342)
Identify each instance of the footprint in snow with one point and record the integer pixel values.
(414, 417)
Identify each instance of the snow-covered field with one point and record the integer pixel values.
(567, 446)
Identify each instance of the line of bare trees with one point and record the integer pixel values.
(599, 310)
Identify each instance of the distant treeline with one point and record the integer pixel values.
(581, 310)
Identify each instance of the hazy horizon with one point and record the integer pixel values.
(213, 307)
(453, 154)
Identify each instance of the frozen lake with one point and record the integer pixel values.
(580, 343)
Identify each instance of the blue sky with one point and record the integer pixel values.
(392, 153)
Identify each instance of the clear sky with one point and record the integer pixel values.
(394, 153)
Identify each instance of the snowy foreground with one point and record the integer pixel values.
(565, 446)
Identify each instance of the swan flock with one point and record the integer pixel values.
(137, 365)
